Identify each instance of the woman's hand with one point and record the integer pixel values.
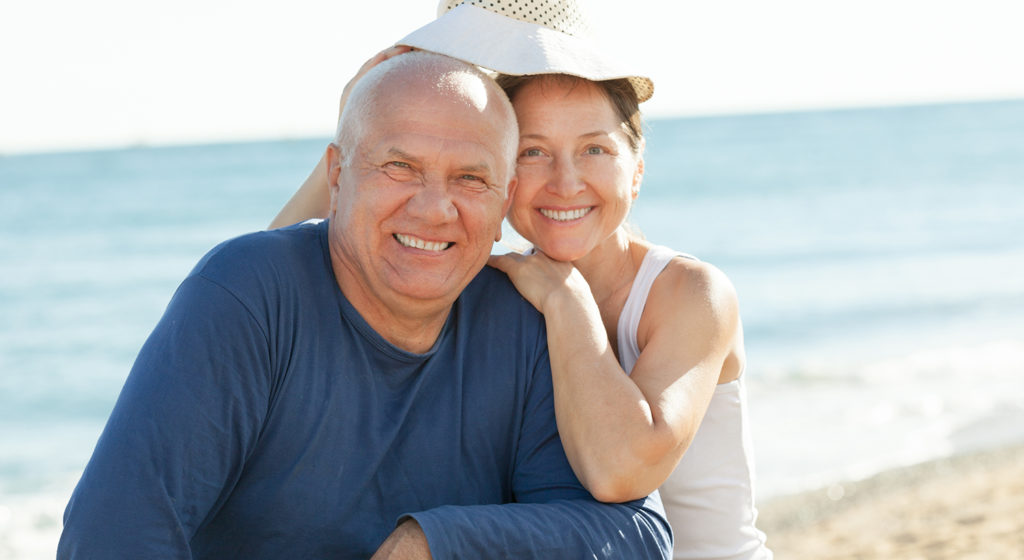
(538, 277)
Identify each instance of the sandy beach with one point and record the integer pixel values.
(965, 507)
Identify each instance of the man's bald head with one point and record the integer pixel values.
(428, 78)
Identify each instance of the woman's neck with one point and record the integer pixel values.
(610, 269)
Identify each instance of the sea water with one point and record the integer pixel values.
(878, 255)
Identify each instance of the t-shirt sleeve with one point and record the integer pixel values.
(174, 445)
(553, 515)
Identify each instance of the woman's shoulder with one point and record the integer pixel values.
(691, 312)
(691, 287)
(677, 269)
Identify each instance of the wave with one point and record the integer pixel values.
(817, 422)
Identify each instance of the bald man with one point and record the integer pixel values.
(360, 386)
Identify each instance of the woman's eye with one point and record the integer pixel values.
(531, 152)
(595, 150)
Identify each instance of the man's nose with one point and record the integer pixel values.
(432, 203)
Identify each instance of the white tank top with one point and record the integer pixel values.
(709, 498)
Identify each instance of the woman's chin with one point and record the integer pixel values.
(562, 252)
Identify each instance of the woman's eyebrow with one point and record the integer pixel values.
(537, 136)
(532, 137)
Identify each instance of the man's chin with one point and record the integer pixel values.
(440, 288)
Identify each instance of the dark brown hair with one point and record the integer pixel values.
(620, 94)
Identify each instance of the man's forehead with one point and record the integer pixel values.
(463, 99)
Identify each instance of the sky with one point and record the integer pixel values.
(108, 73)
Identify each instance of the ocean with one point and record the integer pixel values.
(878, 255)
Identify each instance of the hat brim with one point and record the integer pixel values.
(508, 46)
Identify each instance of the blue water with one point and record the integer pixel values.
(878, 254)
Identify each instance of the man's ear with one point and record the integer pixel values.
(510, 192)
(333, 163)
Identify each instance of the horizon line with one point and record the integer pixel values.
(158, 142)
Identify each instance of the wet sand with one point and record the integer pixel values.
(965, 507)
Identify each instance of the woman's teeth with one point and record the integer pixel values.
(565, 215)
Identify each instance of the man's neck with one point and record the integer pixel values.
(411, 332)
(409, 323)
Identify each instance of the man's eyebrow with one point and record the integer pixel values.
(398, 153)
(476, 168)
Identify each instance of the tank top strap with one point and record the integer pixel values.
(656, 259)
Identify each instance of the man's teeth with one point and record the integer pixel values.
(565, 215)
(417, 243)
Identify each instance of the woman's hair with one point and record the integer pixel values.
(619, 92)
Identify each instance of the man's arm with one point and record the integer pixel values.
(554, 517)
(176, 439)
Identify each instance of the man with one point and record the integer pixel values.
(361, 386)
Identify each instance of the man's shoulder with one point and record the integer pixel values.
(266, 264)
(280, 249)
(492, 294)
(504, 335)
(494, 285)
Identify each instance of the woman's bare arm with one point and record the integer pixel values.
(313, 199)
(624, 434)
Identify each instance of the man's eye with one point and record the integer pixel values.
(399, 171)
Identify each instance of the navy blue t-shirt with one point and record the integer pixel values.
(264, 418)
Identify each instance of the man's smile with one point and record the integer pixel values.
(417, 243)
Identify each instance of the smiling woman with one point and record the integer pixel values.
(646, 345)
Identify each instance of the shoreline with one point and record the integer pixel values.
(963, 506)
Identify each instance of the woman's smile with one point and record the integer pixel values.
(565, 215)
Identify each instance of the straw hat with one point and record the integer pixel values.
(521, 38)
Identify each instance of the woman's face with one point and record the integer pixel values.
(577, 173)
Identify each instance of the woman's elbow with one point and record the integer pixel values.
(634, 476)
(628, 478)
(618, 489)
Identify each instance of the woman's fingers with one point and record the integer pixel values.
(504, 262)
(537, 276)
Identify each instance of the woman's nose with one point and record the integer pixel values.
(566, 180)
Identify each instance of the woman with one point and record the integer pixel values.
(646, 344)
